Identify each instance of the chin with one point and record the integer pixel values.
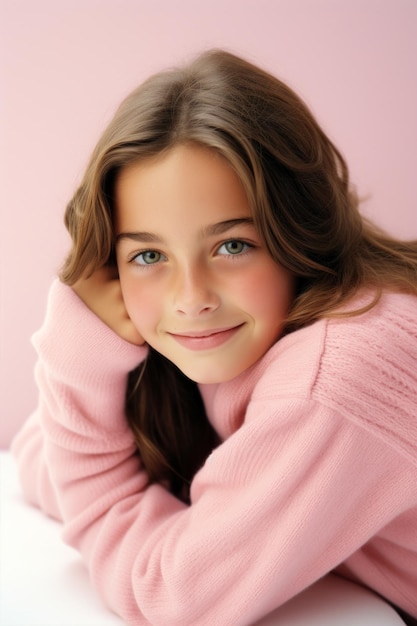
(213, 375)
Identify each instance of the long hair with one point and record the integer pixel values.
(303, 206)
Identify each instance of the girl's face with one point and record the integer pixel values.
(197, 282)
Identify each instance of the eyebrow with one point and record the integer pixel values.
(207, 231)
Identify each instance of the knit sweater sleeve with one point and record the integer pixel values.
(82, 343)
(35, 481)
(284, 500)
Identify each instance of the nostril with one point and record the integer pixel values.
(200, 303)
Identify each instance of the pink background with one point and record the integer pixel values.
(66, 64)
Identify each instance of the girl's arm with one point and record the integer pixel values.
(288, 497)
(27, 449)
(75, 328)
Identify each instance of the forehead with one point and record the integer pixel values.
(187, 180)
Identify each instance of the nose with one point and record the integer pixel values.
(195, 292)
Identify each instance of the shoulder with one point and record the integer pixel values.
(368, 369)
(383, 339)
(363, 367)
(377, 346)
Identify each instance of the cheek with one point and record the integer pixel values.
(267, 293)
(144, 317)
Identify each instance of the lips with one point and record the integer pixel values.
(204, 333)
(205, 339)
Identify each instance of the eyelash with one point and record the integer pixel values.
(246, 248)
(136, 255)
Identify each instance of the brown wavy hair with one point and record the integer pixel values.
(304, 208)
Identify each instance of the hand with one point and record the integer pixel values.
(102, 293)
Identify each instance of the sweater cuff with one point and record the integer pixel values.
(76, 345)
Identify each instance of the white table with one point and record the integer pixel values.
(44, 583)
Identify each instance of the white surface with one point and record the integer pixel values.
(44, 583)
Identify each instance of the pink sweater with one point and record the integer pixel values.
(317, 470)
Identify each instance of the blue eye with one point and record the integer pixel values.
(148, 257)
(233, 247)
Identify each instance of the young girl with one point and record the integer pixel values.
(227, 369)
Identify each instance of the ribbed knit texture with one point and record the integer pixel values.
(317, 470)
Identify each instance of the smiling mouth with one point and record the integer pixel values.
(205, 339)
